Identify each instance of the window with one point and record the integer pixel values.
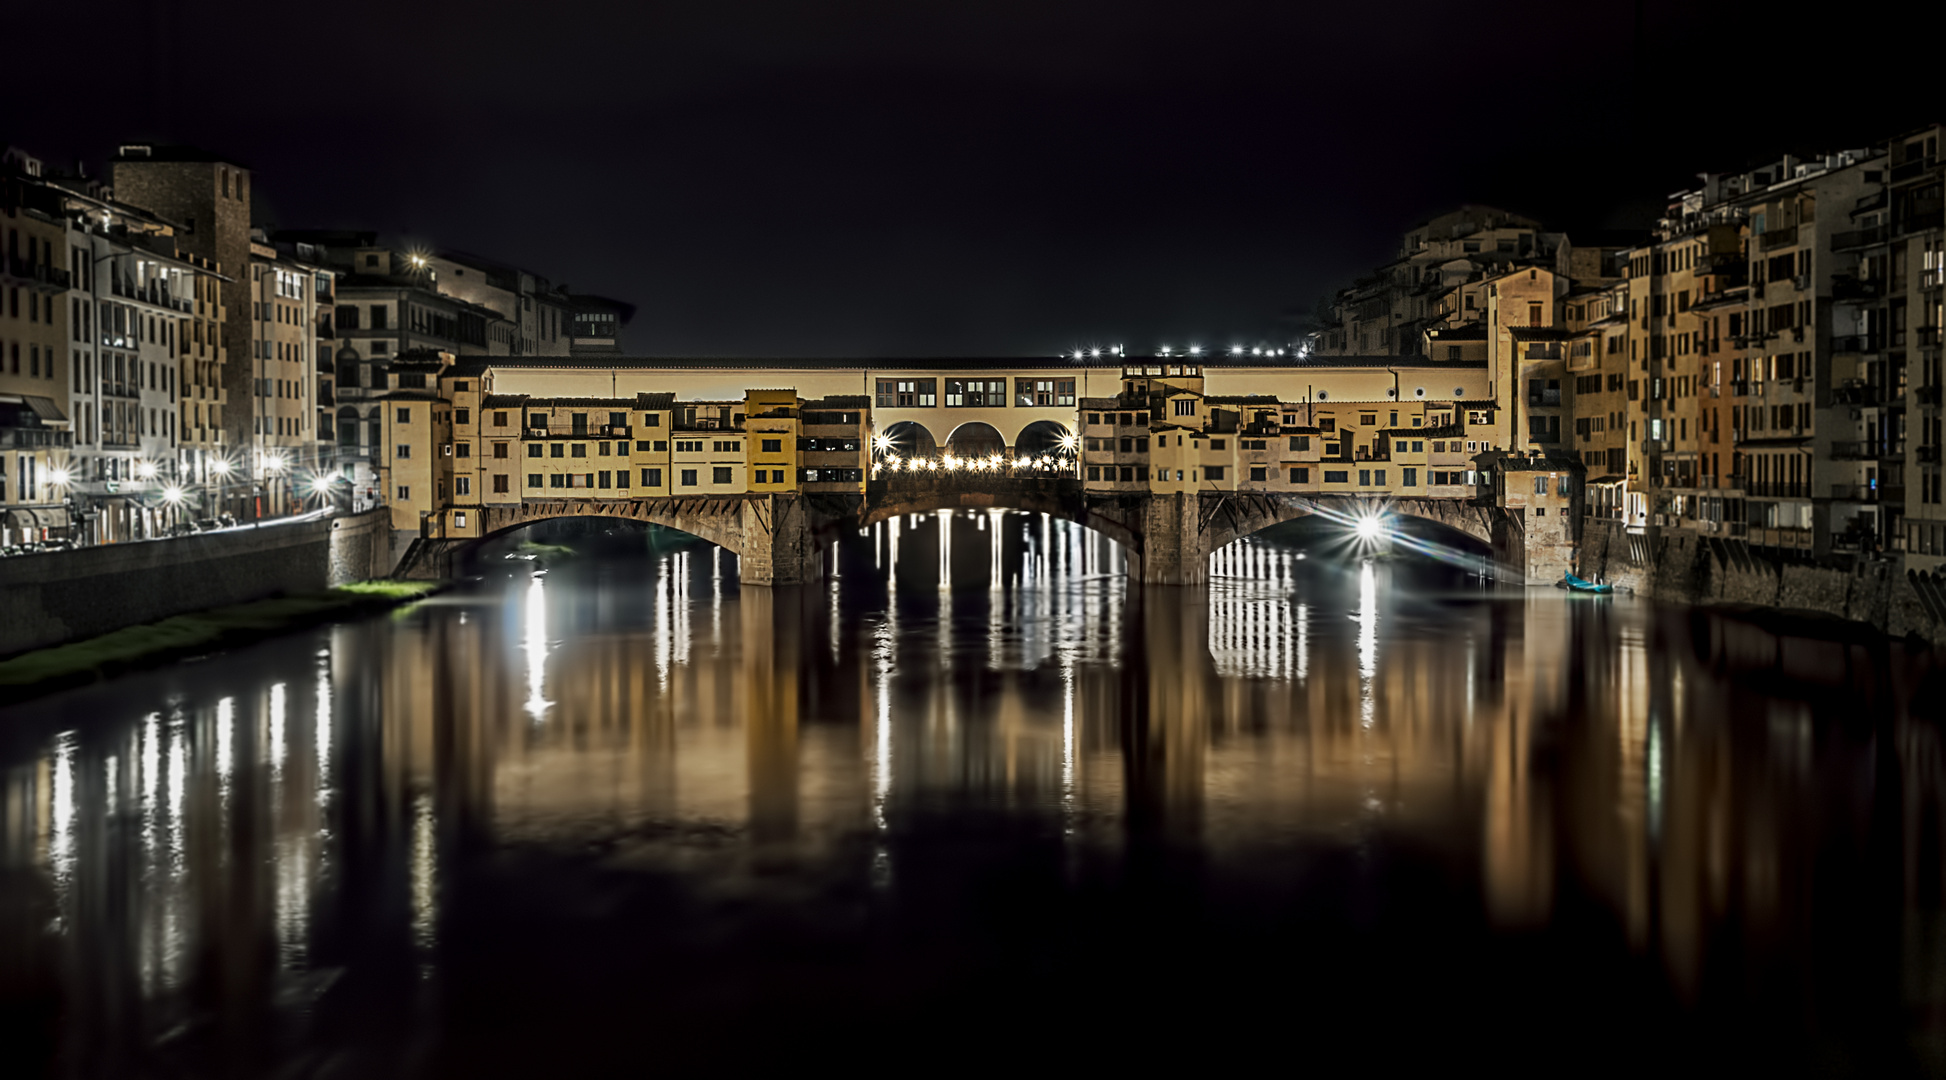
(722, 474)
(651, 477)
(1300, 476)
(976, 393)
(726, 446)
(558, 450)
(1411, 478)
(500, 484)
(773, 446)
(461, 416)
(603, 478)
(555, 480)
(462, 485)
(601, 449)
(1094, 472)
(404, 416)
(650, 419)
(1218, 444)
(1258, 474)
(404, 451)
(1213, 472)
(1378, 477)
(405, 493)
(1336, 476)
(1540, 485)
(1300, 442)
(642, 444)
(533, 449)
(463, 450)
(1369, 419)
(1183, 407)
(1364, 478)
(500, 450)
(621, 478)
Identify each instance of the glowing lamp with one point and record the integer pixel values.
(172, 494)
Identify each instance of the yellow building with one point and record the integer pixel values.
(35, 439)
(453, 448)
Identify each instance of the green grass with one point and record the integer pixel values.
(46, 670)
(400, 591)
(529, 547)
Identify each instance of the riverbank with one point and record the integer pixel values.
(44, 671)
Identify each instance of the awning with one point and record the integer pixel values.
(45, 409)
(37, 517)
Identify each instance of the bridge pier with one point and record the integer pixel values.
(1175, 548)
(778, 543)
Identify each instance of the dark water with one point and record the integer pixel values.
(626, 817)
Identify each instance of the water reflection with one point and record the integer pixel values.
(1321, 753)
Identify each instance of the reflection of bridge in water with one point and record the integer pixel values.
(781, 539)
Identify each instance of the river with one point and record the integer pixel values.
(1330, 810)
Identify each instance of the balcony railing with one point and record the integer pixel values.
(1855, 492)
(38, 273)
(1858, 238)
(1777, 238)
(585, 431)
(1858, 343)
(1849, 287)
(1929, 455)
(1868, 450)
(25, 438)
(1929, 219)
(1928, 395)
(1857, 393)
(1928, 336)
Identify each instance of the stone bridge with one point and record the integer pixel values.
(779, 539)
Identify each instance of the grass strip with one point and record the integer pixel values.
(45, 670)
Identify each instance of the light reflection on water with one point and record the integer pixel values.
(329, 804)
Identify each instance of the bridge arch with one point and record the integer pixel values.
(910, 438)
(976, 438)
(773, 538)
(1061, 498)
(1042, 437)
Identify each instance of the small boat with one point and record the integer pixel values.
(1577, 585)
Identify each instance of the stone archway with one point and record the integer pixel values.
(909, 438)
(1043, 437)
(975, 439)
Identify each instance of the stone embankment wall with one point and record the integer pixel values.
(57, 597)
(1698, 570)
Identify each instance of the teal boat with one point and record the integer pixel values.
(1578, 585)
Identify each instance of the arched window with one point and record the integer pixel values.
(348, 370)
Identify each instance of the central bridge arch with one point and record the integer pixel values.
(1058, 497)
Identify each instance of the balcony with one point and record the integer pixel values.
(1857, 393)
(584, 431)
(1929, 455)
(1852, 287)
(1777, 238)
(31, 438)
(1858, 343)
(1546, 398)
(1858, 238)
(42, 274)
(1919, 222)
(1928, 395)
(1855, 492)
(1927, 336)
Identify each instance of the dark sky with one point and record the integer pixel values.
(1007, 177)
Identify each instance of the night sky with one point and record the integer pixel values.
(1013, 177)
